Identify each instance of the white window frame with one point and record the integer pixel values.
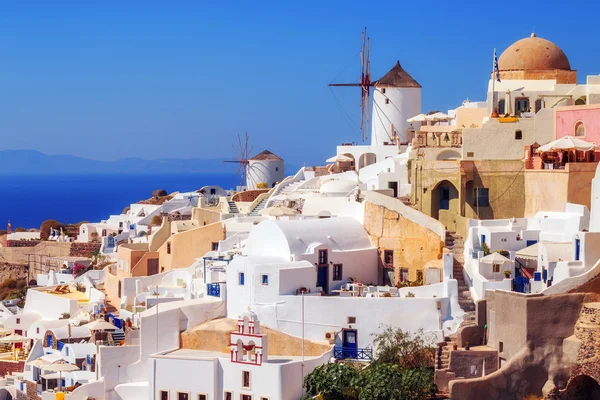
(178, 392)
(201, 394)
(225, 394)
(249, 380)
(164, 390)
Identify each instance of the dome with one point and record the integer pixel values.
(533, 53)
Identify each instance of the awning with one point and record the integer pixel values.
(568, 143)
(528, 253)
(340, 158)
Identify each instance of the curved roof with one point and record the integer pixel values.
(265, 155)
(533, 53)
(75, 332)
(293, 237)
(398, 77)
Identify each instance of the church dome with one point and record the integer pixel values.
(533, 54)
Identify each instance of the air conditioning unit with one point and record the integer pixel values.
(331, 337)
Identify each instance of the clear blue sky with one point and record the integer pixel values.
(158, 79)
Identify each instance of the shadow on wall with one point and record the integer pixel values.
(582, 387)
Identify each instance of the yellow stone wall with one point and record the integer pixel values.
(413, 244)
(503, 178)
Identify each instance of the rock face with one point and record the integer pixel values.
(159, 193)
(587, 331)
(14, 271)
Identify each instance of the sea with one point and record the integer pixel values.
(29, 200)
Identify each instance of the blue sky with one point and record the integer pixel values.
(157, 79)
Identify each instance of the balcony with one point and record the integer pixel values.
(352, 353)
(439, 139)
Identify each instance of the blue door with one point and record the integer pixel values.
(444, 198)
(531, 242)
(49, 339)
(322, 280)
(350, 343)
(577, 249)
(482, 239)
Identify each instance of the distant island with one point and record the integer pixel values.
(31, 162)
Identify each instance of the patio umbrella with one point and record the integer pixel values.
(278, 211)
(568, 143)
(12, 339)
(340, 158)
(60, 367)
(495, 258)
(438, 116)
(417, 118)
(38, 363)
(99, 325)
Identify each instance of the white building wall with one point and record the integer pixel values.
(403, 103)
(264, 171)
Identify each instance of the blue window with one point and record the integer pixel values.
(67, 351)
(481, 197)
(242, 278)
(265, 279)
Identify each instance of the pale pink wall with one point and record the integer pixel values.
(567, 118)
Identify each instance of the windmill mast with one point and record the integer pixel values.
(242, 153)
(365, 84)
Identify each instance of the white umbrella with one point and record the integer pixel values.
(438, 116)
(60, 367)
(14, 338)
(340, 158)
(494, 258)
(38, 363)
(417, 118)
(568, 143)
(99, 325)
(278, 211)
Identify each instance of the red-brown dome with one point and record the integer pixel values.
(533, 54)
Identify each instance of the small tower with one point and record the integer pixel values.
(265, 170)
(248, 345)
(397, 97)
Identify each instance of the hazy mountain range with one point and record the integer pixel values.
(27, 162)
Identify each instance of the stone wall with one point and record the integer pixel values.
(461, 362)
(8, 367)
(83, 249)
(413, 244)
(248, 196)
(22, 243)
(587, 331)
(31, 390)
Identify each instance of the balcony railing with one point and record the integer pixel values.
(213, 289)
(352, 353)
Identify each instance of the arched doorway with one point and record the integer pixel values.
(366, 159)
(444, 197)
(582, 387)
(449, 155)
(5, 394)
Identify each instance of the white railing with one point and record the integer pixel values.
(287, 181)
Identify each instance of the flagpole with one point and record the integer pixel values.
(494, 82)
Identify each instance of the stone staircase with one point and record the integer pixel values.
(455, 244)
(292, 187)
(260, 206)
(233, 207)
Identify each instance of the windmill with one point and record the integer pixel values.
(365, 85)
(242, 153)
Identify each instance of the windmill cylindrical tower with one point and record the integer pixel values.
(396, 98)
(264, 171)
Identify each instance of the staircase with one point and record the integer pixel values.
(455, 244)
(118, 335)
(233, 207)
(292, 187)
(260, 206)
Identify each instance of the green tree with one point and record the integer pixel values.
(333, 381)
(395, 346)
(379, 382)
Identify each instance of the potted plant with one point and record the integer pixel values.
(507, 273)
(467, 346)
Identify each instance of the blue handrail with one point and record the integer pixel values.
(353, 353)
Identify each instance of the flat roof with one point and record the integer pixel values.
(204, 354)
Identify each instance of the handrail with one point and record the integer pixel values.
(284, 183)
(353, 353)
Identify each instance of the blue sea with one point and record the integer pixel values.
(28, 200)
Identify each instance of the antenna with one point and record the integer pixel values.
(242, 153)
(365, 84)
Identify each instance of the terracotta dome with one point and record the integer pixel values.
(533, 53)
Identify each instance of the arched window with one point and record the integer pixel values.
(579, 129)
(501, 107)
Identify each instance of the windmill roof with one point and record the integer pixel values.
(265, 155)
(398, 77)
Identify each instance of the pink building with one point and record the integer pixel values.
(582, 121)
